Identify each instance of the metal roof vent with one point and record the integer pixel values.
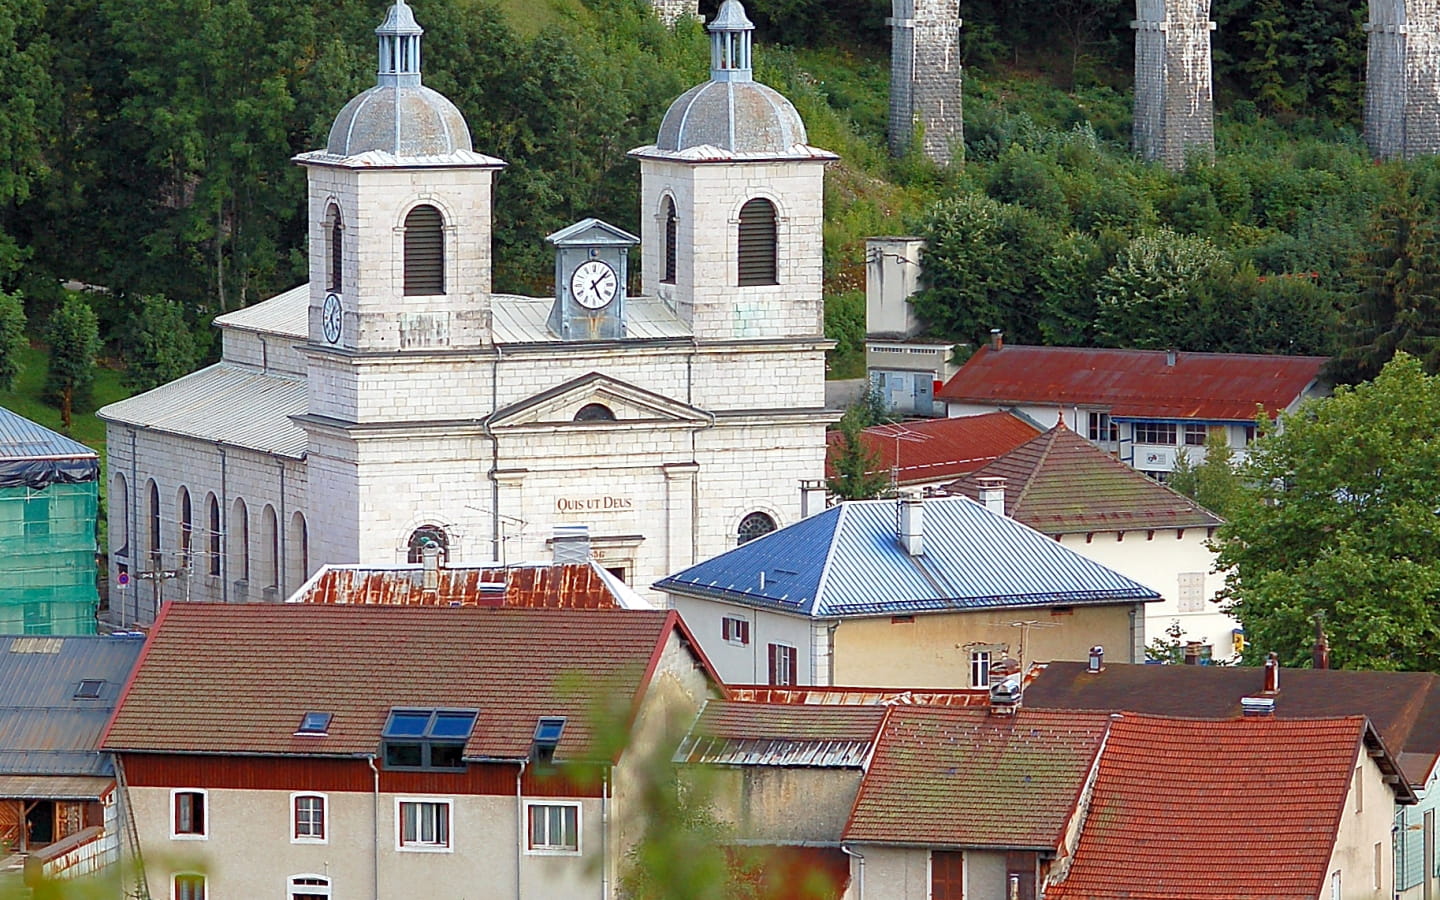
(1257, 706)
(571, 544)
(1004, 698)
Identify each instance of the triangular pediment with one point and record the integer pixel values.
(592, 232)
(630, 405)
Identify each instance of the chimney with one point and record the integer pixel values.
(812, 497)
(430, 566)
(912, 524)
(571, 544)
(1272, 674)
(997, 340)
(1257, 706)
(1170, 356)
(1097, 660)
(1004, 697)
(992, 494)
(1320, 653)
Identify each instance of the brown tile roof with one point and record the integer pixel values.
(941, 448)
(1135, 383)
(1060, 483)
(954, 777)
(572, 586)
(220, 678)
(861, 696)
(1404, 707)
(1244, 808)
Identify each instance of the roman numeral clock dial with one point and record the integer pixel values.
(594, 284)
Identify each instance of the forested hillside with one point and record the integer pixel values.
(144, 147)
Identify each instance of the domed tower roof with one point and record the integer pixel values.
(399, 116)
(732, 115)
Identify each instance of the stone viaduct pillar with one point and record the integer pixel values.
(925, 78)
(670, 11)
(1402, 80)
(1174, 103)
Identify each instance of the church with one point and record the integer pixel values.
(396, 402)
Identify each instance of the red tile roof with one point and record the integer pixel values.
(1135, 383)
(572, 586)
(942, 448)
(1060, 483)
(1244, 808)
(224, 678)
(955, 777)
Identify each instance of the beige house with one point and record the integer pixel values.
(315, 750)
(910, 593)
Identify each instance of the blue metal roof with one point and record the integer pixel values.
(44, 729)
(21, 438)
(848, 561)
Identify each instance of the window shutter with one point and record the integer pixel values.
(790, 663)
(744, 631)
(424, 251)
(726, 626)
(774, 663)
(757, 243)
(670, 236)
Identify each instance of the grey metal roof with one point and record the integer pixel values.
(406, 120)
(54, 787)
(236, 405)
(21, 438)
(736, 116)
(525, 320)
(44, 730)
(287, 313)
(848, 561)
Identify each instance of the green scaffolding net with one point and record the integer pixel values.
(47, 559)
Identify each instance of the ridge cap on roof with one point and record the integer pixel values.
(817, 602)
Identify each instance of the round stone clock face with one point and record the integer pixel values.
(331, 318)
(593, 284)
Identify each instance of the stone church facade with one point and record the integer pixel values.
(396, 400)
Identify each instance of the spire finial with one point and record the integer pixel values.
(730, 43)
(399, 38)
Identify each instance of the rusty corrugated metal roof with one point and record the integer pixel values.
(784, 734)
(1135, 383)
(860, 696)
(568, 586)
(941, 448)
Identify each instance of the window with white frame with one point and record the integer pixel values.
(189, 815)
(308, 818)
(308, 887)
(1195, 435)
(1155, 433)
(735, 630)
(423, 824)
(1102, 430)
(980, 668)
(1192, 592)
(189, 886)
(783, 667)
(553, 828)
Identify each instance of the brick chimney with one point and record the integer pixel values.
(1272, 674)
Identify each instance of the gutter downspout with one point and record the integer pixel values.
(860, 877)
(605, 833)
(224, 529)
(519, 827)
(496, 541)
(132, 530)
(375, 828)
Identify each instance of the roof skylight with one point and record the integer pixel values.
(315, 723)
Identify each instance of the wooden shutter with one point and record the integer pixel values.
(947, 875)
(670, 237)
(757, 243)
(774, 662)
(424, 251)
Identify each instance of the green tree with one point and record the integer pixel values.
(858, 471)
(1212, 482)
(1340, 517)
(74, 338)
(13, 342)
(1146, 299)
(160, 346)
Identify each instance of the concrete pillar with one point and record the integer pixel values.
(680, 503)
(1174, 103)
(925, 78)
(1402, 80)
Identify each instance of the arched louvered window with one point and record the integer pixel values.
(757, 243)
(154, 535)
(336, 235)
(424, 251)
(428, 534)
(215, 533)
(756, 524)
(187, 523)
(670, 234)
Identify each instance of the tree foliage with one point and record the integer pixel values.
(160, 346)
(859, 474)
(1342, 516)
(74, 338)
(12, 339)
(1212, 482)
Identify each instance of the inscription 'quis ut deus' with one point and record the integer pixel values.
(593, 504)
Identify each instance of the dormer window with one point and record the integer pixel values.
(427, 738)
(547, 737)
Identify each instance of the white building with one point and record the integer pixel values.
(395, 399)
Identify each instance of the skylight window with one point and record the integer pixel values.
(89, 689)
(549, 729)
(427, 738)
(315, 723)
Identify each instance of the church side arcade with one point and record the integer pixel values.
(396, 401)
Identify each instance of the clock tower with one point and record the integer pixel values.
(591, 272)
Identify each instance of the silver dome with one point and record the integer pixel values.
(739, 116)
(403, 120)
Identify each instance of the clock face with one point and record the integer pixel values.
(594, 284)
(331, 318)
